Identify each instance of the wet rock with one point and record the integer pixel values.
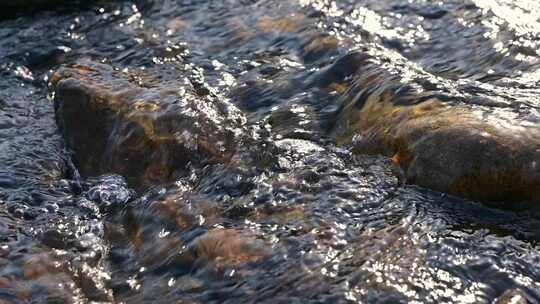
(150, 135)
(110, 191)
(53, 239)
(228, 247)
(513, 296)
(94, 291)
(433, 13)
(88, 207)
(36, 276)
(288, 24)
(295, 121)
(45, 57)
(185, 210)
(318, 46)
(150, 231)
(52, 207)
(33, 212)
(16, 209)
(176, 231)
(4, 282)
(471, 151)
(339, 70)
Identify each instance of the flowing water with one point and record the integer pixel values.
(296, 218)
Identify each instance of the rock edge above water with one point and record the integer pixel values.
(150, 135)
(450, 147)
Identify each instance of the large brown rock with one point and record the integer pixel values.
(146, 131)
(13, 8)
(474, 151)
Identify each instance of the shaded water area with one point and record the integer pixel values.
(237, 172)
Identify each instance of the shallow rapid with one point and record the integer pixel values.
(245, 151)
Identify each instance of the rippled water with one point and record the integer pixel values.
(293, 217)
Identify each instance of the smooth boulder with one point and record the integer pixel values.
(147, 131)
(474, 151)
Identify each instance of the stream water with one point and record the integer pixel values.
(297, 218)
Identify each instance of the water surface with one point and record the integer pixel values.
(303, 220)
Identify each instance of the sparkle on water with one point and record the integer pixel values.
(294, 218)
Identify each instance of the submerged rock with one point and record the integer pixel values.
(228, 247)
(474, 151)
(177, 231)
(110, 191)
(148, 134)
(514, 296)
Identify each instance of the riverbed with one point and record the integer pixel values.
(263, 188)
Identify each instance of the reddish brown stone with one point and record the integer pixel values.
(457, 148)
(148, 134)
